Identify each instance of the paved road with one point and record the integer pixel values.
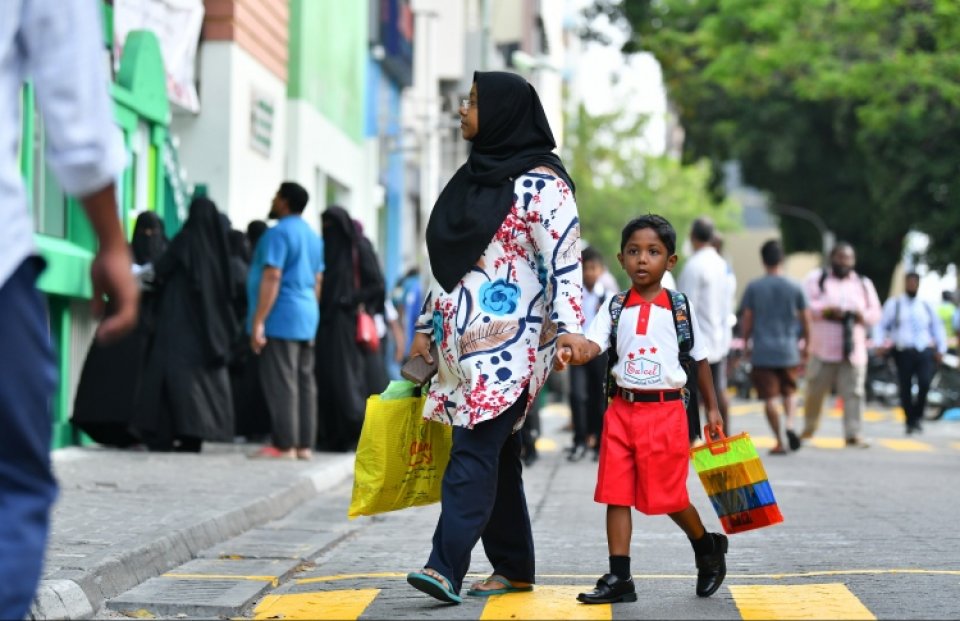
(868, 533)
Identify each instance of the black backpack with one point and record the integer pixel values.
(681, 322)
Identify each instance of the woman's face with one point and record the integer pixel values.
(470, 117)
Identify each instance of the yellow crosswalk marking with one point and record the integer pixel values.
(814, 601)
(763, 441)
(955, 445)
(746, 408)
(835, 413)
(545, 602)
(899, 415)
(907, 445)
(546, 445)
(873, 416)
(347, 604)
(827, 443)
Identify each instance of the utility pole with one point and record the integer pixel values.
(426, 88)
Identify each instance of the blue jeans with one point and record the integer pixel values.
(482, 499)
(27, 487)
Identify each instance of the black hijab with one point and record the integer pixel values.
(149, 240)
(201, 248)
(339, 241)
(513, 138)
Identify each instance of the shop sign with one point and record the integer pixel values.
(262, 109)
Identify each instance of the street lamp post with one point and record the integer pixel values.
(827, 237)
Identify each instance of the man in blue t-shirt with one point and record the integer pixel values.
(283, 287)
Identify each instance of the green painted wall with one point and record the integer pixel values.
(328, 60)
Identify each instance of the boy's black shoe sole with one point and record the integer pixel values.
(712, 568)
(610, 590)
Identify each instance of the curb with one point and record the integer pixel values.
(81, 595)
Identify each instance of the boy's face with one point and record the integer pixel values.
(645, 258)
(592, 271)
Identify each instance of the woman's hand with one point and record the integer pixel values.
(421, 347)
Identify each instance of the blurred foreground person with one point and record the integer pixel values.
(57, 45)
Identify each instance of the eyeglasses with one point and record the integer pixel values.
(466, 104)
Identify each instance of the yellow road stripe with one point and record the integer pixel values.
(747, 408)
(873, 416)
(906, 445)
(347, 604)
(274, 580)
(813, 601)
(782, 576)
(546, 445)
(835, 413)
(827, 443)
(899, 415)
(955, 445)
(763, 441)
(544, 602)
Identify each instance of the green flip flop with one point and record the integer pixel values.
(433, 587)
(507, 587)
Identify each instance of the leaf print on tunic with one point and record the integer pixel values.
(489, 336)
(499, 297)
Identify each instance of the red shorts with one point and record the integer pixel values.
(644, 457)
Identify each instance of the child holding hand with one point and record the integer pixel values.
(644, 448)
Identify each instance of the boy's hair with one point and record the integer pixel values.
(591, 254)
(295, 195)
(660, 226)
(772, 253)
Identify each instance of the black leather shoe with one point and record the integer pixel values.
(610, 590)
(712, 568)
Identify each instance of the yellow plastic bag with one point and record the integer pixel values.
(400, 457)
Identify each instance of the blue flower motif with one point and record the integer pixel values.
(437, 327)
(541, 273)
(499, 297)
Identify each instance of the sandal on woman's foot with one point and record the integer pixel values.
(434, 585)
(506, 587)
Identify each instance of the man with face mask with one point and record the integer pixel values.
(843, 307)
(914, 332)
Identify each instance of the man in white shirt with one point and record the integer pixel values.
(705, 281)
(912, 329)
(56, 45)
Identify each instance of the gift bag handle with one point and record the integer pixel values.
(718, 446)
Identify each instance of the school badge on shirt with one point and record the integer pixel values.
(643, 371)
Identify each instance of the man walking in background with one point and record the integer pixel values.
(912, 329)
(57, 45)
(773, 309)
(284, 288)
(704, 280)
(843, 306)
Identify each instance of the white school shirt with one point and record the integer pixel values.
(648, 355)
(58, 46)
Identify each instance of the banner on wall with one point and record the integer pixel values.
(176, 23)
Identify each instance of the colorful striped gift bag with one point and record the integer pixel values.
(736, 482)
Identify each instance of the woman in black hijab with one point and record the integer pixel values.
(503, 241)
(111, 374)
(342, 383)
(186, 390)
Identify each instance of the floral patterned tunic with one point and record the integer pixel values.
(497, 330)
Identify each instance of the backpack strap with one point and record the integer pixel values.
(616, 307)
(685, 338)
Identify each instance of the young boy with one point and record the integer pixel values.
(644, 451)
(587, 400)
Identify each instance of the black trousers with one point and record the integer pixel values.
(587, 400)
(912, 363)
(483, 499)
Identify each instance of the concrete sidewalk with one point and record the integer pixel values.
(124, 517)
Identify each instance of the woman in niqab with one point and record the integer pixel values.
(111, 374)
(186, 396)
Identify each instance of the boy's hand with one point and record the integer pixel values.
(572, 349)
(715, 424)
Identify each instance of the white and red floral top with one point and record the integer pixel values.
(497, 330)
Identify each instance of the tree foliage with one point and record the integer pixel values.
(849, 108)
(617, 181)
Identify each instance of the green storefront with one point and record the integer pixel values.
(151, 181)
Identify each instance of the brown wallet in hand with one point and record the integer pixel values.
(417, 370)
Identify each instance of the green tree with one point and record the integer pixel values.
(848, 108)
(617, 181)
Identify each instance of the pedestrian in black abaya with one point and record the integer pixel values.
(111, 374)
(342, 384)
(186, 396)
